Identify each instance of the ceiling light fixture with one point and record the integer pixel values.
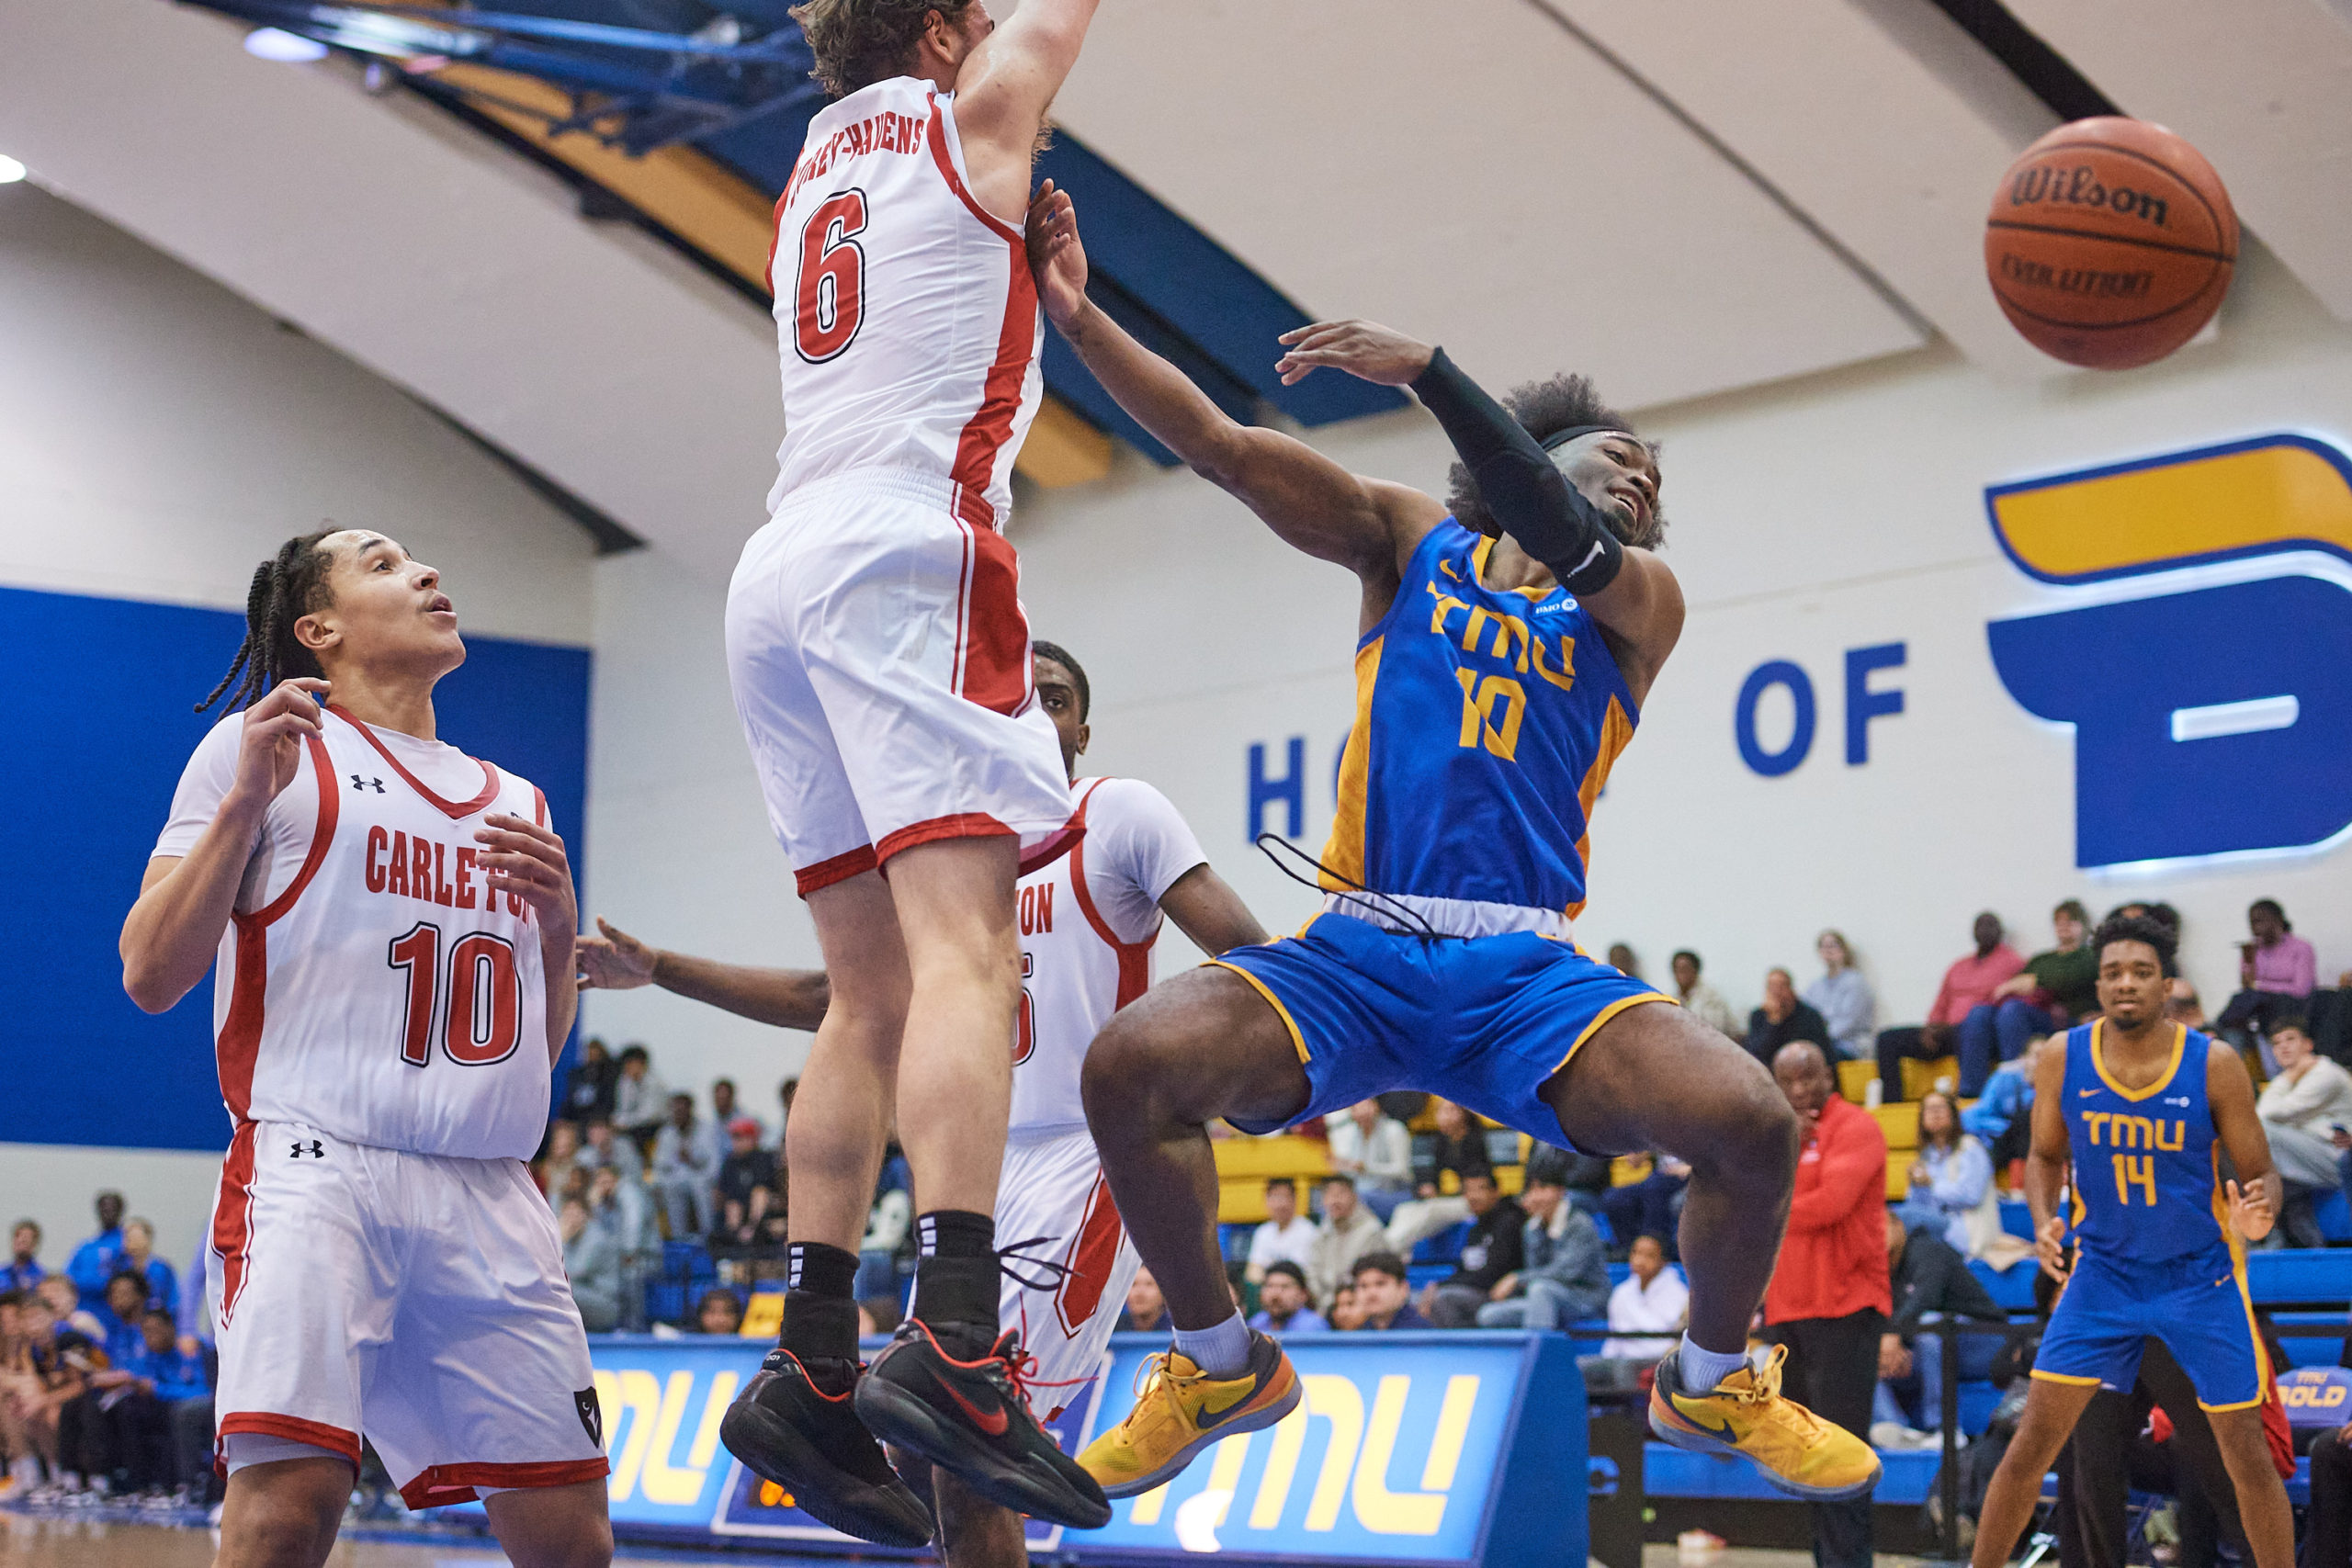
(11, 171)
(287, 49)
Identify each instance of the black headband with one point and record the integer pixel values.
(1558, 439)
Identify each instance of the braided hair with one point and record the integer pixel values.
(287, 586)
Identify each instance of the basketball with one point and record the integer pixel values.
(2110, 243)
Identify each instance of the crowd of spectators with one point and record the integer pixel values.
(105, 1371)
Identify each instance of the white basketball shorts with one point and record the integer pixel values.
(881, 666)
(1053, 1188)
(417, 1298)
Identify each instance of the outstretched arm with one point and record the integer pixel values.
(1311, 502)
(1004, 90)
(787, 998)
(2046, 1161)
(1207, 909)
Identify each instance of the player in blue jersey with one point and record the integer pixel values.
(2134, 1116)
(1506, 644)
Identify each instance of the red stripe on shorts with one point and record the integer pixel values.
(232, 1222)
(442, 1484)
(293, 1429)
(1091, 1256)
(838, 868)
(998, 667)
(962, 825)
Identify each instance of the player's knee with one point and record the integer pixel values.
(1759, 1137)
(289, 1532)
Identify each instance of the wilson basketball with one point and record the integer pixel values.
(2110, 243)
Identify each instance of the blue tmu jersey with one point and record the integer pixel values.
(2144, 1183)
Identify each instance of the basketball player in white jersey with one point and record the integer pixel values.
(384, 912)
(880, 665)
(1089, 925)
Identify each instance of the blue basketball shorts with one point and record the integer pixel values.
(1482, 1021)
(2195, 1303)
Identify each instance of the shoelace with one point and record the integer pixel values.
(1764, 1387)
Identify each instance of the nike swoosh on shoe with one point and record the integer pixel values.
(993, 1422)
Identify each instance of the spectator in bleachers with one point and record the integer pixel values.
(2184, 1007)
(1376, 1151)
(183, 1384)
(622, 1205)
(720, 1311)
(2300, 1109)
(1585, 1177)
(1381, 1295)
(606, 1147)
(640, 1099)
(1842, 998)
(1699, 999)
(1651, 1299)
(1146, 1309)
(2327, 1539)
(2278, 971)
(1967, 984)
(589, 1088)
(94, 1260)
(746, 1186)
(120, 1428)
(1783, 1017)
(592, 1259)
(1951, 1181)
(2057, 988)
(2001, 1118)
(1282, 1306)
(65, 1305)
(1563, 1272)
(887, 1222)
(1287, 1235)
(118, 1315)
(686, 1152)
(46, 1367)
(1345, 1314)
(139, 1257)
(1651, 1204)
(724, 1115)
(1621, 959)
(558, 1160)
(1491, 1252)
(1349, 1231)
(1458, 1145)
(24, 1270)
(1829, 1301)
(1926, 1276)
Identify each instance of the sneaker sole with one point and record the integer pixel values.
(756, 1435)
(1671, 1428)
(1250, 1421)
(901, 1420)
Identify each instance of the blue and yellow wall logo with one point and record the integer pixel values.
(2210, 716)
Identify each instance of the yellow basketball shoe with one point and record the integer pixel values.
(1180, 1410)
(1747, 1415)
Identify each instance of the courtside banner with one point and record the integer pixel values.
(1461, 1448)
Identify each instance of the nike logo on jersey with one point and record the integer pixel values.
(2086, 1093)
(993, 1423)
(362, 786)
(314, 1149)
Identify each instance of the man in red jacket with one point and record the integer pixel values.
(1829, 1298)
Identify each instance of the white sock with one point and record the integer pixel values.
(1702, 1369)
(1222, 1351)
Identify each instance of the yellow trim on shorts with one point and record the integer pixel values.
(1611, 1011)
(2241, 1405)
(1298, 1041)
(2065, 1378)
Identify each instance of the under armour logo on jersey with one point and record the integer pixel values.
(362, 785)
(314, 1149)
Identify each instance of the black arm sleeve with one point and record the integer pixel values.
(1528, 495)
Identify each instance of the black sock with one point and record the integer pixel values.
(819, 1313)
(955, 1281)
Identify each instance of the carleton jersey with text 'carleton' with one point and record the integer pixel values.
(1089, 924)
(909, 321)
(369, 984)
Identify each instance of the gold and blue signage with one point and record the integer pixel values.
(2212, 712)
(1449, 1448)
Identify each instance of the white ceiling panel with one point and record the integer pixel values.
(1878, 118)
(421, 250)
(2263, 87)
(1474, 173)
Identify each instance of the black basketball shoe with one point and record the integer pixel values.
(788, 1429)
(972, 1418)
